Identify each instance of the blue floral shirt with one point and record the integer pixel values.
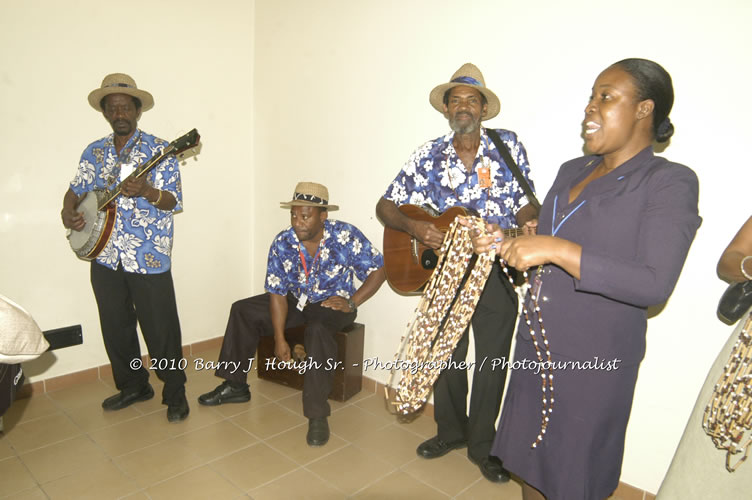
(435, 176)
(141, 239)
(343, 252)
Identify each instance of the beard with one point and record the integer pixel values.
(122, 127)
(465, 127)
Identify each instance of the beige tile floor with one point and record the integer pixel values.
(62, 445)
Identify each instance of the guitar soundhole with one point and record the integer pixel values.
(429, 259)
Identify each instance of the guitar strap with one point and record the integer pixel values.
(507, 157)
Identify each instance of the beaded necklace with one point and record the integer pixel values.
(540, 341)
(439, 321)
(728, 416)
(433, 334)
(547, 375)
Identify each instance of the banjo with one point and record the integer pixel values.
(100, 210)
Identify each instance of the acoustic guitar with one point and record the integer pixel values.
(98, 206)
(408, 263)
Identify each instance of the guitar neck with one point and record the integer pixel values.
(512, 232)
(140, 171)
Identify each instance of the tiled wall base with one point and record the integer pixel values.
(623, 492)
(103, 371)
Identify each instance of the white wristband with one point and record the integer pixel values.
(746, 275)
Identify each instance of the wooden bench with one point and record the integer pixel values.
(348, 376)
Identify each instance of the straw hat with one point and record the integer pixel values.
(470, 76)
(120, 83)
(309, 194)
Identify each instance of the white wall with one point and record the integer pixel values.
(336, 91)
(342, 98)
(197, 61)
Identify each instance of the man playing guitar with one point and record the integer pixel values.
(464, 168)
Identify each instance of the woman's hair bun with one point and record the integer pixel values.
(665, 130)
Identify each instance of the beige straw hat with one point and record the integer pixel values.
(309, 194)
(120, 83)
(470, 76)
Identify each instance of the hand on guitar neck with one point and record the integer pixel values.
(529, 250)
(493, 235)
(484, 241)
(134, 187)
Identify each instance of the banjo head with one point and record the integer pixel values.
(89, 242)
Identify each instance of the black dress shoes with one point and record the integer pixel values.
(125, 399)
(435, 447)
(491, 469)
(178, 411)
(318, 432)
(225, 393)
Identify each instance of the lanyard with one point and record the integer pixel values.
(554, 227)
(303, 261)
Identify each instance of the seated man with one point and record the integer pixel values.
(309, 280)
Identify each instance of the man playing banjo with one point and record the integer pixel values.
(464, 168)
(131, 276)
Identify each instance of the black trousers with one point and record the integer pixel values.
(493, 328)
(149, 299)
(250, 319)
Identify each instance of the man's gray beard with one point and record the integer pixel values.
(467, 129)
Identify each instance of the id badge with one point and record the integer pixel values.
(484, 177)
(302, 302)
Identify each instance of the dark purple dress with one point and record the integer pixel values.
(635, 226)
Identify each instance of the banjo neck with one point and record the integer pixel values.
(139, 172)
(100, 213)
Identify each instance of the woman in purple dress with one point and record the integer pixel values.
(613, 235)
